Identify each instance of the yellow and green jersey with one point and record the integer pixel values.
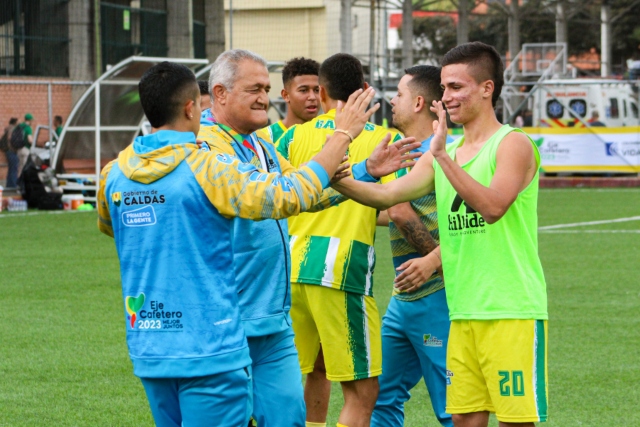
(332, 248)
(401, 250)
(275, 130)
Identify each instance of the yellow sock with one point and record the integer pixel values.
(310, 424)
(341, 425)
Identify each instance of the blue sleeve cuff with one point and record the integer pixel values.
(322, 174)
(359, 171)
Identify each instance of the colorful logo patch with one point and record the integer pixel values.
(133, 306)
(116, 198)
(431, 341)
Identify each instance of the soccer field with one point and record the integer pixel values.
(64, 361)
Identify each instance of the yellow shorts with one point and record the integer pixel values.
(498, 366)
(347, 324)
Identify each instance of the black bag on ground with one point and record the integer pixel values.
(50, 202)
(30, 185)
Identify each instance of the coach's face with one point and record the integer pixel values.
(246, 103)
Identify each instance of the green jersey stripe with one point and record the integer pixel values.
(312, 266)
(540, 367)
(358, 334)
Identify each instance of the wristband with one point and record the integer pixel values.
(346, 132)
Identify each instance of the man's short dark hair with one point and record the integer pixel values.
(204, 87)
(341, 75)
(13, 121)
(58, 119)
(164, 89)
(425, 82)
(299, 67)
(484, 61)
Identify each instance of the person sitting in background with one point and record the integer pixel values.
(57, 125)
(594, 121)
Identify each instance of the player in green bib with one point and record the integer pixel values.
(486, 191)
(300, 92)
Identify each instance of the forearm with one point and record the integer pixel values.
(367, 194)
(332, 153)
(412, 228)
(489, 203)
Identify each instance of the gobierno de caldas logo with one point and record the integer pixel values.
(153, 316)
(142, 213)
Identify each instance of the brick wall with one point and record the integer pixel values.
(18, 99)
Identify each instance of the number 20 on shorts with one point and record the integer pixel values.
(511, 383)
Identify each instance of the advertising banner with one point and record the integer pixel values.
(595, 149)
(588, 149)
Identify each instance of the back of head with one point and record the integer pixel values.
(57, 119)
(425, 82)
(164, 89)
(341, 75)
(484, 64)
(299, 67)
(13, 121)
(204, 87)
(224, 70)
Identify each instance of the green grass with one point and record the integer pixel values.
(64, 361)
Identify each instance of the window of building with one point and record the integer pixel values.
(34, 38)
(614, 112)
(199, 35)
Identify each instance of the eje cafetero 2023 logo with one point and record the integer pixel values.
(154, 317)
(469, 222)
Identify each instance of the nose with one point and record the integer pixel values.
(446, 96)
(263, 98)
(393, 101)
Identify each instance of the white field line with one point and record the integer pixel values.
(581, 224)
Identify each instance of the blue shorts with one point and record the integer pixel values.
(414, 346)
(278, 397)
(221, 399)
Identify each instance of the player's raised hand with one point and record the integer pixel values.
(439, 141)
(386, 159)
(353, 115)
(416, 272)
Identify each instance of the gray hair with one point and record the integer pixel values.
(224, 70)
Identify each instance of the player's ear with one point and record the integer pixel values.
(189, 108)
(419, 104)
(366, 85)
(285, 95)
(323, 94)
(487, 89)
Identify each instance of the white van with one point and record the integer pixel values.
(557, 103)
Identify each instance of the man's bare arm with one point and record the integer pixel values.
(515, 167)
(412, 228)
(417, 183)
